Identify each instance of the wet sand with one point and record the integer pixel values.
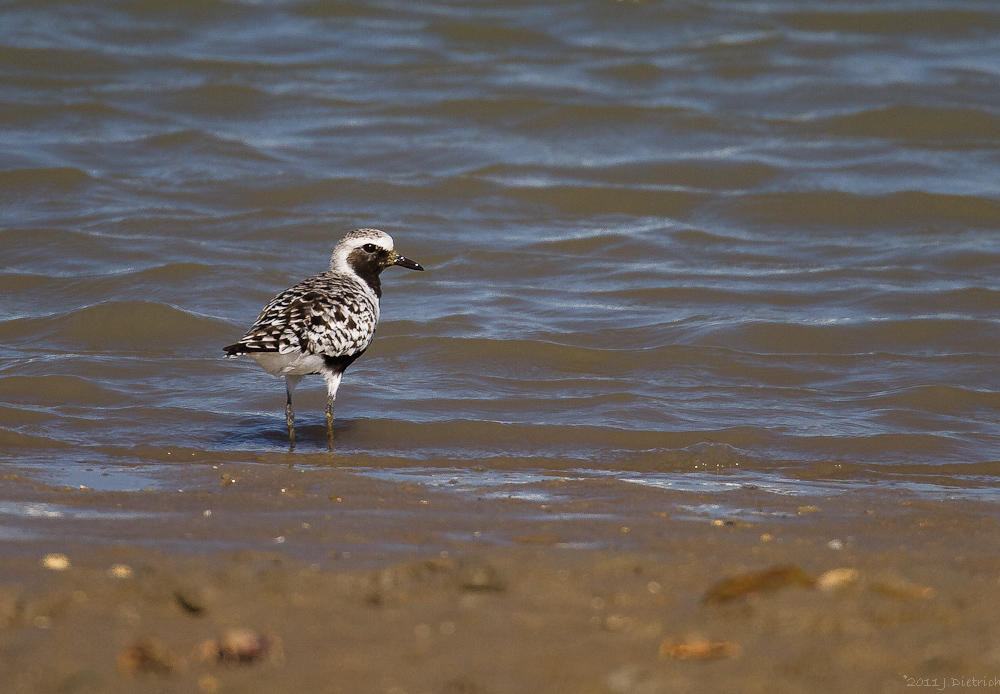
(265, 578)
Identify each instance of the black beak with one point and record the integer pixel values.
(407, 263)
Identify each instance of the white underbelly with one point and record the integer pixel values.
(292, 364)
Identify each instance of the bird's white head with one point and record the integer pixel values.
(366, 253)
(360, 247)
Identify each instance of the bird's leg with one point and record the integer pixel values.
(332, 383)
(290, 383)
(329, 421)
(290, 421)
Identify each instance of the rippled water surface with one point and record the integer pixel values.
(741, 238)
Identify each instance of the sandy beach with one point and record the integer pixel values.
(345, 584)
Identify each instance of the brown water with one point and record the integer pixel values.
(693, 245)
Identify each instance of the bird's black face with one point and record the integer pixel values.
(371, 259)
(375, 256)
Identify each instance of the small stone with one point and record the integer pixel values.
(542, 539)
(191, 600)
(241, 646)
(699, 649)
(758, 582)
(901, 589)
(149, 656)
(835, 579)
(480, 576)
(120, 571)
(56, 562)
(619, 623)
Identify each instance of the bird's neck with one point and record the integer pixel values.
(371, 279)
(366, 272)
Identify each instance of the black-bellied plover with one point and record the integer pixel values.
(322, 324)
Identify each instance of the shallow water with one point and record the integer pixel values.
(756, 240)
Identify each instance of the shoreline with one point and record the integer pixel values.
(324, 580)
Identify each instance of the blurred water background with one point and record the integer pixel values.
(726, 242)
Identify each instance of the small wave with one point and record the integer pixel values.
(480, 34)
(838, 208)
(160, 278)
(896, 336)
(58, 114)
(116, 325)
(153, 282)
(599, 243)
(57, 177)
(923, 123)
(705, 174)
(714, 296)
(23, 282)
(202, 143)
(895, 445)
(60, 252)
(486, 438)
(345, 189)
(59, 61)
(339, 9)
(14, 439)
(987, 471)
(474, 354)
(596, 200)
(699, 457)
(965, 302)
(533, 115)
(927, 20)
(57, 391)
(223, 99)
(940, 399)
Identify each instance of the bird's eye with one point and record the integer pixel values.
(369, 248)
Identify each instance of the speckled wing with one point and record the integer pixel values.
(327, 314)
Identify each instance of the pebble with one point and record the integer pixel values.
(56, 562)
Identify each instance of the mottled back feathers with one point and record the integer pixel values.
(331, 314)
